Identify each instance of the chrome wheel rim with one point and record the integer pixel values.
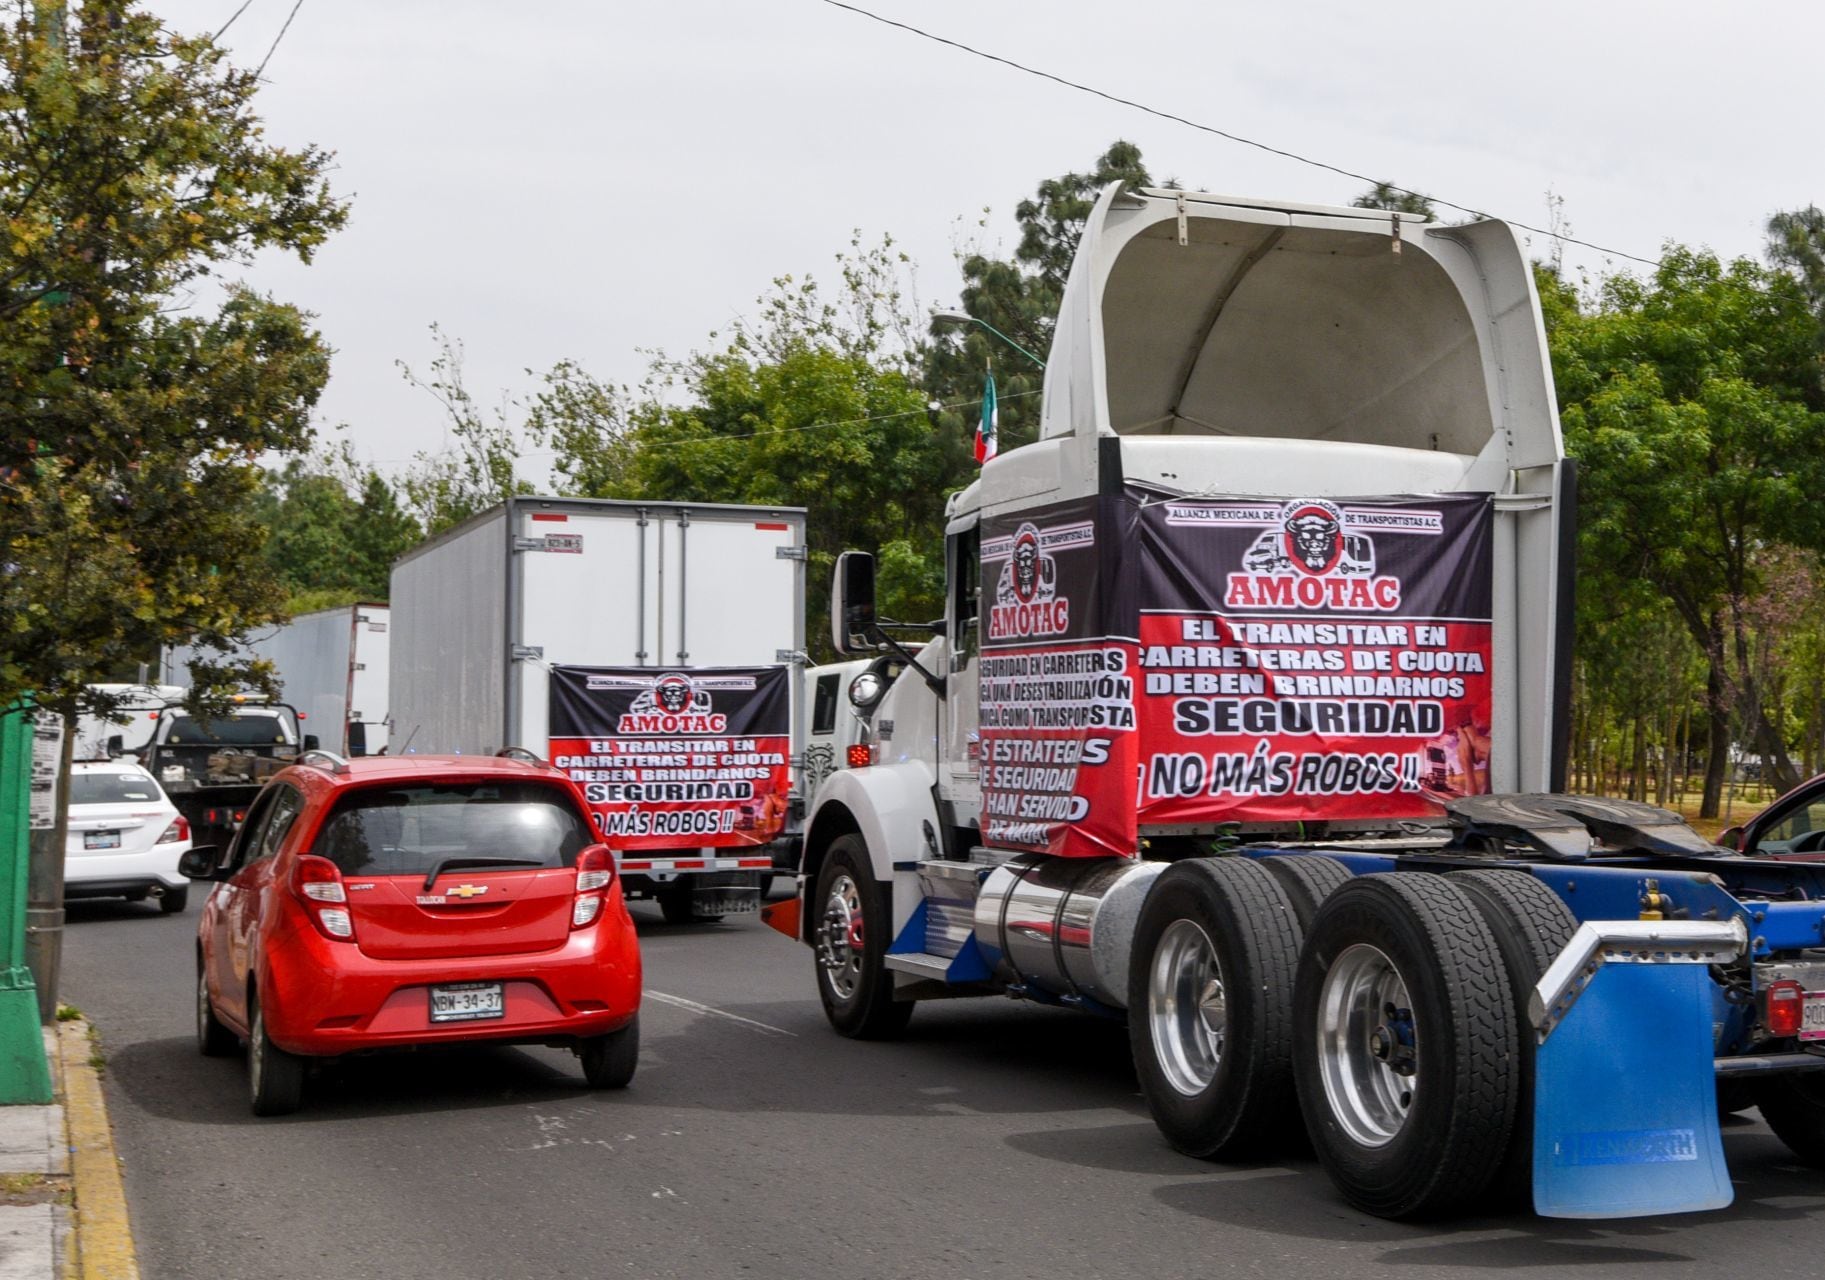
(840, 934)
(1368, 1045)
(1187, 1011)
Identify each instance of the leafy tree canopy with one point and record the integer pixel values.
(132, 167)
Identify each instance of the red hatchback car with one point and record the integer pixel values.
(413, 900)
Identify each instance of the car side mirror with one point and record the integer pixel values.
(1731, 838)
(852, 612)
(199, 863)
(117, 745)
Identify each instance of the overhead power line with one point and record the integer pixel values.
(299, 4)
(1225, 134)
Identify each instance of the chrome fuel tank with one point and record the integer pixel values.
(1064, 925)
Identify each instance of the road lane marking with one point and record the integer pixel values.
(691, 1006)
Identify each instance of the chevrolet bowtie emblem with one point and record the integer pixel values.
(466, 890)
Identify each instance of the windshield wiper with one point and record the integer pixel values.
(447, 863)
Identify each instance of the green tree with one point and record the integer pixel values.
(1796, 242)
(1685, 397)
(1019, 297)
(476, 470)
(1385, 195)
(133, 168)
(335, 529)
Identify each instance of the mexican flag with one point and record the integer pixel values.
(991, 418)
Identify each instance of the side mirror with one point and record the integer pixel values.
(117, 745)
(199, 863)
(1730, 838)
(852, 615)
(358, 739)
(310, 742)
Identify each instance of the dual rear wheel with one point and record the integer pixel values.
(1390, 1007)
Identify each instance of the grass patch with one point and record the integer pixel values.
(68, 1013)
(18, 1184)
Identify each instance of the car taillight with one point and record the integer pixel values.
(861, 755)
(318, 883)
(595, 872)
(178, 830)
(1786, 1000)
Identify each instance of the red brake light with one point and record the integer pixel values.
(318, 883)
(595, 872)
(1785, 1002)
(861, 755)
(178, 830)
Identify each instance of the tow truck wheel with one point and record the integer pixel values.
(1531, 925)
(1308, 879)
(1794, 1107)
(1404, 1045)
(849, 939)
(1209, 1004)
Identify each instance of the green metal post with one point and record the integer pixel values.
(25, 1076)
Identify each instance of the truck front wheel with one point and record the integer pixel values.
(850, 937)
(1405, 1049)
(1210, 993)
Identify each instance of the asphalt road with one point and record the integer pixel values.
(996, 1140)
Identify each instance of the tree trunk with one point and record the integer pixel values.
(1717, 748)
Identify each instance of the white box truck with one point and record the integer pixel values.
(332, 664)
(673, 635)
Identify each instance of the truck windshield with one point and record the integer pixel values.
(410, 829)
(230, 731)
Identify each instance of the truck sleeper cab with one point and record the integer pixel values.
(1253, 682)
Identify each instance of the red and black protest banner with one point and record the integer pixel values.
(1312, 658)
(1057, 681)
(676, 757)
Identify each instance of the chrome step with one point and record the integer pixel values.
(922, 963)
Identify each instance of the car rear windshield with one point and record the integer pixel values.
(407, 830)
(113, 788)
(242, 731)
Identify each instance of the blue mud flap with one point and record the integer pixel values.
(1625, 1099)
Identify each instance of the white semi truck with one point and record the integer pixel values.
(332, 664)
(651, 650)
(1253, 683)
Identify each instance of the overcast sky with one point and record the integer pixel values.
(555, 179)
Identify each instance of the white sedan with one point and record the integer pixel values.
(125, 837)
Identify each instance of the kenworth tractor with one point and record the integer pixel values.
(1242, 724)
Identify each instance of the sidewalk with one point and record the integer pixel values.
(63, 1210)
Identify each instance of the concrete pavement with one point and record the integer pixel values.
(63, 1214)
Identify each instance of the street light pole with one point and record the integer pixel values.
(964, 317)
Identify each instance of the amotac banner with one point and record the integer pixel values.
(676, 757)
(1311, 659)
(1056, 690)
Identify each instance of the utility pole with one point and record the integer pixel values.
(52, 744)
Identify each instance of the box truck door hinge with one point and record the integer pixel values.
(527, 653)
(798, 657)
(1183, 238)
(528, 544)
(791, 553)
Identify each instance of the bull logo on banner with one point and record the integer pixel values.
(672, 702)
(1309, 559)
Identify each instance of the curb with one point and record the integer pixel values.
(101, 1238)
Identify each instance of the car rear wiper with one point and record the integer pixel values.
(447, 863)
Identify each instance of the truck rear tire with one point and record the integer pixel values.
(1308, 879)
(1794, 1107)
(1531, 925)
(849, 937)
(1404, 1045)
(1210, 991)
